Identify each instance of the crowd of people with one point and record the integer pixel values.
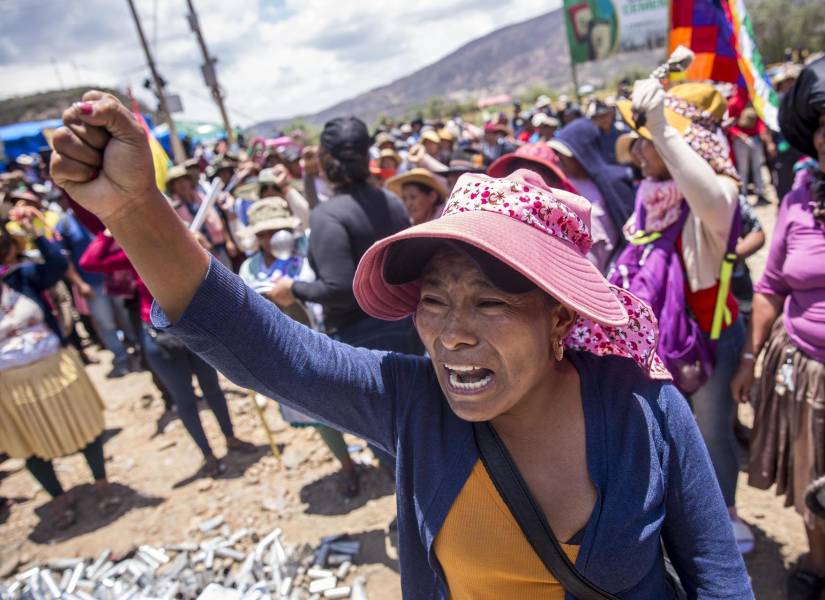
(511, 267)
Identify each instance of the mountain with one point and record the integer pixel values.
(47, 105)
(509, 60)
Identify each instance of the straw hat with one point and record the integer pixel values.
(271, 214)
(685, 104)
(384, 138)
(445, 135)
(695, 111)
(267, 177)
(431, 136)
(175, 173)
(422, 176)
(389, 153)
(624, 145)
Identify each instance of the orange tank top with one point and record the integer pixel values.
(483, 552)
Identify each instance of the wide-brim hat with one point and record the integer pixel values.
(430, 136)
(267, 177)
(384, 138)
(559, 147)
(695, 111)
(421, 176)
(271, 214)
(446, 135)
(624, 146)
(685, 104)
(390, 153)
(539, 153)
(175, 173)
(539, 232)
(221, 165)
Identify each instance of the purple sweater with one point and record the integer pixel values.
(796, 271)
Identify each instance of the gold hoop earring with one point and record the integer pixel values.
(558, 349)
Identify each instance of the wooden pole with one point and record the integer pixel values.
(177, 147)
(209, 74)
(272, 445)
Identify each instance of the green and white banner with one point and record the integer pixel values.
(598, 28)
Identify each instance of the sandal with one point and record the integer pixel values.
(803, 585)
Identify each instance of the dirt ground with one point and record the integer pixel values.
(155, 466)
(165, 497)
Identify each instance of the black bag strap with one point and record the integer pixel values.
(528, 515)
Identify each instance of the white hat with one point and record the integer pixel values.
(540, 119)
(560, 147)
(543, 101)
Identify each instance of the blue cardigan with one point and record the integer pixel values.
(645, 455)
(32, 279)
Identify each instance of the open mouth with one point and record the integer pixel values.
(468, 378)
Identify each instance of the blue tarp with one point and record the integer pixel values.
(26, 138)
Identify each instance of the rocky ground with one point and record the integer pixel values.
(164, 497)
(155, 467)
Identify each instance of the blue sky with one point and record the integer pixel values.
(277, 58)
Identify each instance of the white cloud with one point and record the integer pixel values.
(277, 58)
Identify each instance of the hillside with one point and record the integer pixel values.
(509, 60)
(45, 105)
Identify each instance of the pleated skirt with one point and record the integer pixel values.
(48, 408)
(788, 442)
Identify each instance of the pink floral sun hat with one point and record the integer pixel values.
(541, 233)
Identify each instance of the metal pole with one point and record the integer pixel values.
(209, 74)
(177, 146)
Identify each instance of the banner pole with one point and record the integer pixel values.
(575, 81)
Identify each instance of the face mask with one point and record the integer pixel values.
(282, 244)
(387, 173)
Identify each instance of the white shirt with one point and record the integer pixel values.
(24, 336)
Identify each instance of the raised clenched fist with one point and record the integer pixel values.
(101, 156)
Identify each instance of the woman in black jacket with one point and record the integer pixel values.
(342, 229)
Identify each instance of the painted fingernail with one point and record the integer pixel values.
(84, 107)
